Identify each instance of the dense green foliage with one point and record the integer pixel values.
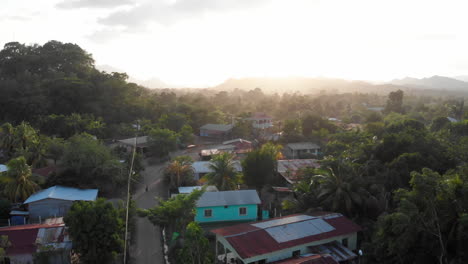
(96, 229)
(174, 213)
(196, 248)
(259, 167)
(86, 163)
(399, 173)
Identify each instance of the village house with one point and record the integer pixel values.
(28, 240)
(201, 168)
(239, 147)
(301, 150)
(142, 143)
(227, 206)
(216, 130)
(261, 121)
(294, 236)
(288, 169)
(56, 201)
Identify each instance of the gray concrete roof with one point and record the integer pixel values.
(238, 197)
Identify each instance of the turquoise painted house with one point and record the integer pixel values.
(227, 206)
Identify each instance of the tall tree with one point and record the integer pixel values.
(86, 163)
(162, 141)
(395, 102)
(175, 213)
(96, 230)
(429, 222)
(259, 167)
(196, 247)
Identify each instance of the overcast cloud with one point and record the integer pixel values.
(71, 4)
(168, 13)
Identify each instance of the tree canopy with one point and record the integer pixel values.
(96, 229)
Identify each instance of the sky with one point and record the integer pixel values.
(204, 42)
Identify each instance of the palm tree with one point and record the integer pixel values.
(7, 138)
(223, 173)
(179, 171)
(340, 189)
(20, 185)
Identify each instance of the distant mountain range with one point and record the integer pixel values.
(304, 85)
(435, 83)
(320, 85)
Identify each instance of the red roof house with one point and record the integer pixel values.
(290, 236)
(25, 240)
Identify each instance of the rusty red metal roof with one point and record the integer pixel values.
(23, 237)
(252, 239)
(45, 171)
(289, 168)
(313, 259)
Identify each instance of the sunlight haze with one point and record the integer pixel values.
(202, 43)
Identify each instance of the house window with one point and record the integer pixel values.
(296, 253)
(208, 213)
(243, 211)
(344, 242)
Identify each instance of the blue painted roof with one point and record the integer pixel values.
(189, 189)
(64, 193)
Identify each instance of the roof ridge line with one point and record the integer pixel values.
(51, 194)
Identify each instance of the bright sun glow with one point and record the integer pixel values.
(362, 39)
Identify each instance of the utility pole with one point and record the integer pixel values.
(128, 192)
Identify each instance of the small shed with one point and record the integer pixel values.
(57, 200)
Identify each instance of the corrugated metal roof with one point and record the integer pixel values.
(23, 238)
(238, 197)
(3, 168)
(299, 230)
(335, 249)
(249, 241)
(217, 127)
(283, 221)
(45, 171)
(293, 165)
(289, 168)
(143, 140)
(237, 140)
(64, 193)
(204, 166)
(303, 145)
